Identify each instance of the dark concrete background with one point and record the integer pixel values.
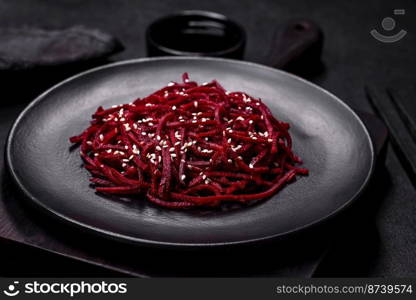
(351, 56)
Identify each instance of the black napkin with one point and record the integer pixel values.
(34, 59)
(28, 48)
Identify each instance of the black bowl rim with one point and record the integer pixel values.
(171, 245)
(202, 13)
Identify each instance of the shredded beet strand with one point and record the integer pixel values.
(189, 145)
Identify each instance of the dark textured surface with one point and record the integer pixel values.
(352, 58)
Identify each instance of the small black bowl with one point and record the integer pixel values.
(195, 33)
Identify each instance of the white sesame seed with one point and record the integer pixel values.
(89, 143)
(101, 137)
(195, 103)
(124, 165)
(158, 137)
(204, 177)
(183, 177)
(171, 149)
(230, 161)
(144, 133)
(174, 107)
(158, 148)
(250, 166)
(236, 148)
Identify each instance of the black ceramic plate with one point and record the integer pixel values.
(331, 139)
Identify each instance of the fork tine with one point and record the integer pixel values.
(409, 122)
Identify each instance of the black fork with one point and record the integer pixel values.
(399, 115)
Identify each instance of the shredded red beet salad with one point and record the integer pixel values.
(189, 145)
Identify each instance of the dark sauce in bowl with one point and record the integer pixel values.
(195, 33)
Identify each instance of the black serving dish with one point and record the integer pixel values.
(195, 33)
(331, 139)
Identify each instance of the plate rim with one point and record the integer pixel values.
(164, 244)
